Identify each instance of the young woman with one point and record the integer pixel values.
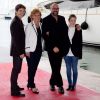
(17, 48)
(33, 47)
(75, 52)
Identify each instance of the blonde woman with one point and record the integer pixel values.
(33, 47)
(75, 52)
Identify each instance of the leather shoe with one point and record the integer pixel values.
(73, 88)
(69, 88)
(61, 90)
(52, 87)
(18, 94)
(19, 88)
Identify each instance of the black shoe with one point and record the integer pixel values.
(61, 90)
(19, 88)
(69, 88)
(52, 87)
(18, 94)
(73, 88)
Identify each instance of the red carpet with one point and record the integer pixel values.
(42, 82)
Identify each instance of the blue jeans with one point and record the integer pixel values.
(71, 69)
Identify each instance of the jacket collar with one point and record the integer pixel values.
(33, 24)
(16, 17)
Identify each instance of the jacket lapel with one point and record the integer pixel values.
(34, 26)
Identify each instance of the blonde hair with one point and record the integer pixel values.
(71, 16)
(34, 11)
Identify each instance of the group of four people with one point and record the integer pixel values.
(60, 41)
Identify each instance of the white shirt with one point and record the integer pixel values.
(71, 32)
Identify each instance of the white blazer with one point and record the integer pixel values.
(31, 37)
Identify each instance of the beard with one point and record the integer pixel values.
(55, 13)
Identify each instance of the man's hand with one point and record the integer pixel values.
(28, 54)
(22, 56)
(78, 27)
(55, 49)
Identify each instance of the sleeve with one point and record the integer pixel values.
(44, 29)
(66, 41)
(27, 35)
(65, 25)
(80, 44)
(18, 37)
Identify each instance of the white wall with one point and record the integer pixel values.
(92, 34)
(5, 33)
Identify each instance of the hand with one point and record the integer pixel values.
(28, 54)
(22, 56)
(56, 49)
(78, 27)
(47, 33)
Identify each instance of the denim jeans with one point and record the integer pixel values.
(71, 69)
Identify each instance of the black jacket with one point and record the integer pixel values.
(76, 46)
(58, 34)
(17, 37)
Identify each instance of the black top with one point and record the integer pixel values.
(17, 37)
(58, 34)
(39, 44)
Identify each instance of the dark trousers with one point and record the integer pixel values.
(32, 62)
(55, 62)
(17, 63)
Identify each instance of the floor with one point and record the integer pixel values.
(42, 82)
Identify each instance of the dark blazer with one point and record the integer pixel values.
(76, 46)
(17, 37)
(58, 34)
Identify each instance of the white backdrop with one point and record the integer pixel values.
(8, 5)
